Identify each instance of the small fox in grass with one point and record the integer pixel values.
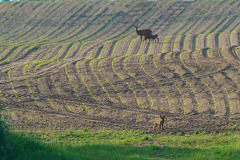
(159, 121)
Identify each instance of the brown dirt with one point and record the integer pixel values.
(68, 65)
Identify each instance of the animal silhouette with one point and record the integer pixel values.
(143, 32)
(159, 121)
(149, 37)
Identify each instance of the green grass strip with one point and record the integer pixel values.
(85, 144)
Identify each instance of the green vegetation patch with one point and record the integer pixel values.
(123, 144)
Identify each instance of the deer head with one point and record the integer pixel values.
(143, 32)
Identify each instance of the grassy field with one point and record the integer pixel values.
(77, 82)
(122, 144)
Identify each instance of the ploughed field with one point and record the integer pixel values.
(67, 65)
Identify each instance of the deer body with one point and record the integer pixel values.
(159, 121)
(152, 37)
(144, 32)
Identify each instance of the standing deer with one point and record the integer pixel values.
(144, 32)
(159, 121)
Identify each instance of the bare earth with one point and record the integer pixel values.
(68, 65)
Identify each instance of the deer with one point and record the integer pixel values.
(155, 37)
(159, 121)
(151, 37)
(143, 32)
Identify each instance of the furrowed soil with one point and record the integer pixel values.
(68, 65)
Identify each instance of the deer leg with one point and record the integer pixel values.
(154, 126)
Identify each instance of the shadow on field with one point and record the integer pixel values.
(98, 152)
(28, 148)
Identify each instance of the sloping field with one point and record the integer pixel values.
(67, 65)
